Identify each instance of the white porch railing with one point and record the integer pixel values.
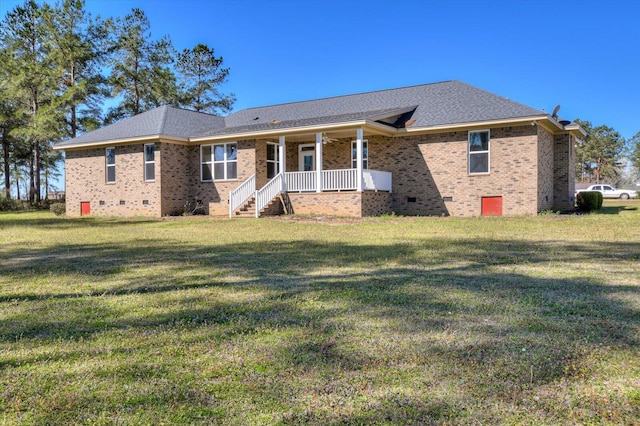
(301, 181)
(238, 196)
(268, 192)
(335, 180)
(332, 180)
(339, 180)
(375, 180)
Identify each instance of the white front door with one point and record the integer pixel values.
(307, 157)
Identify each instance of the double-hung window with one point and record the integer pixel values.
(479, 152)
(273, 164)
(365, 154)
(110, 165)
(149, 162)
(219, 162)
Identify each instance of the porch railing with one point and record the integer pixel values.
(335, 180)
(377, 180)
(301, 181)
(332, 180)
(268, 192)
(241, 194)
(339, 180)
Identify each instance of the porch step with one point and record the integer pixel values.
(248, 209)
(274, 208)
(279, 205)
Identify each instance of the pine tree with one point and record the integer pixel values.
(32, 84)
(634, 148)
(201, 74)
(77, 51)
(599, 157)
(141, 68)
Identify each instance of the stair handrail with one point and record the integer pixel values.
(268, 192)
(241, 194)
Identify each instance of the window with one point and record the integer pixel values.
(110, 158)
(479, 152)
(206, 163)
(365, 154)
(219, 162)
(273, 165)
(149, 162)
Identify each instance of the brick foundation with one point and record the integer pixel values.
(347, 203)
(86, 182)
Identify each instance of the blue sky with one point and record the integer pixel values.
(583, 55)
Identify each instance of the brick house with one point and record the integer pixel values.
(437, 149)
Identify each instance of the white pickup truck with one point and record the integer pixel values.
(609, 191)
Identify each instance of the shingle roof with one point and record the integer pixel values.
(436, 104)
(165, 120)
(448, 102)
(312, 121)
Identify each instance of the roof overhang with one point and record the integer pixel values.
(124, 141)
(367, 125)
(575, 130)
(517, 121)
(546, 121)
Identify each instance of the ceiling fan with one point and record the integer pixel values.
(326, 139)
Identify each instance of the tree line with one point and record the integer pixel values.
(601, 156)
(64, 72)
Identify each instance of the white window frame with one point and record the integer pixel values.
(213, 162)
(202, 163)
(152, 162)
(365, 154)
(486, 152)
(305, 149)
(109, 165)
(275, 161)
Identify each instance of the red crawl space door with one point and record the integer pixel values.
(491, 206)
(85, 208)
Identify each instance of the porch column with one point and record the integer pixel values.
(359, 138)
(319, 162)
(282, 162)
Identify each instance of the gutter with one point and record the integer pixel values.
(367, 125)
(123, 141)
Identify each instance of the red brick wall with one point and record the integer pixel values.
(327, 203)
(545, 169)
(564, 172)
(430, 172)
(86, 182)
(376, 203)
(215, 195)
(176, 169)
(429, 176)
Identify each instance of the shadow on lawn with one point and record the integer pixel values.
(418, 289)
(10, 219)
(615, 209)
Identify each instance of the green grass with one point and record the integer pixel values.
(524, 320)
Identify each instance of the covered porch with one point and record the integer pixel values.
(308, 185)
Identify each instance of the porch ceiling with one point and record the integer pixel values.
(334, 134)
(338, 125)
(306, 133)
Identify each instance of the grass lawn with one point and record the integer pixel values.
(524, 320)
